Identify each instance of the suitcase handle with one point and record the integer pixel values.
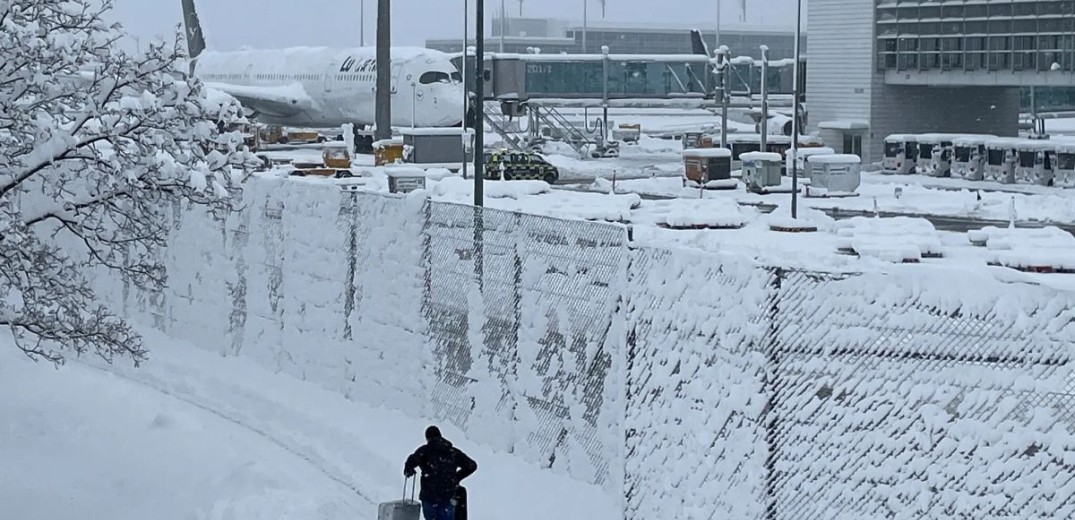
(414, 485)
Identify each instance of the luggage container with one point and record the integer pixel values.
(1064, 167)
(1034, 162)
(901, 154)
(836, 175)
(968, 156)
(1000, 160)
(740, 144)
(761, 170)
(708, 167)
(803, 156)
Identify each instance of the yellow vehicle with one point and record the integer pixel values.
(280, 135)
(336, 162)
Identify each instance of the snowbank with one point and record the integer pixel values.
(898, 239)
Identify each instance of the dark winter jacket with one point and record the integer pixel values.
(443, 467)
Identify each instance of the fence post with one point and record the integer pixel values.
(771, 382)
(351, 209)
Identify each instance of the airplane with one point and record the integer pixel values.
(319, 87)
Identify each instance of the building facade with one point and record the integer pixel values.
(879, 67)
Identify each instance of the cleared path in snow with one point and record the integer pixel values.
(195, 436)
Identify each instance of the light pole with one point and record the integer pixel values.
(414, 101)
(503, 24)
(585, 23)
(466, 88)
(479, 102)
(362, 23)
(797, 89)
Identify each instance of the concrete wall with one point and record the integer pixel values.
(840, 76)
(912, 109)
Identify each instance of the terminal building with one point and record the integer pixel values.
(558, 36)
(880, 67)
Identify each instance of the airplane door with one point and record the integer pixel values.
(396, 70)
(330, 76)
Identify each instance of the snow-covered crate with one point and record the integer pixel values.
(703, 214)
(1054, 260)
(834, 175)
(904, 238)
(996, 238)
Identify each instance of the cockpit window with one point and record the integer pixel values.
(435, 77)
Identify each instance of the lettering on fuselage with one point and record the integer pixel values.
(352, 65)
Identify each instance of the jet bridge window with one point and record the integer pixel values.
(435, 77)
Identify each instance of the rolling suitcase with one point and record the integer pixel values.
(401, 509)
(460, 501)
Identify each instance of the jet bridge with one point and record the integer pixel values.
(536, 85)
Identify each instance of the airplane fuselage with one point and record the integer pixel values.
(323, 87)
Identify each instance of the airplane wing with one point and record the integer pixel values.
(279, 101)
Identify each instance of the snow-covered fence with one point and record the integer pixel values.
(699, 385)
(528, 359)
(770, 394)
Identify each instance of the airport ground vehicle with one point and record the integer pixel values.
(511, 165)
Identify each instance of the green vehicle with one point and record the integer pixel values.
(511, 165)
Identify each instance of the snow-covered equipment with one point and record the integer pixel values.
(802, 158)
(901, 154)
(761, 170)
(403, 509)
(1034, 161)
(1064, 168)
(1000, 157)
(709, 168)
(405, 179)
(834, 175)
(935, 154)
(968, 156)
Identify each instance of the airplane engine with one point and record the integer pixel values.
(777, 125)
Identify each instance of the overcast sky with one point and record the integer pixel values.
(231, 24)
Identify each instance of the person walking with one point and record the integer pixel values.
(443, 467)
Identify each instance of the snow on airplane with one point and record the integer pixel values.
(325, 87)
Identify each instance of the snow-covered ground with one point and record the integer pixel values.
(195, 436)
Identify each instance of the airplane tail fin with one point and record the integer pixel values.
(195, 38)
(698, 45)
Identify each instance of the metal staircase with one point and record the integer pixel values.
(560, 128)
(501, 124)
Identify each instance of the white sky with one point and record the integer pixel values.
(230, 24)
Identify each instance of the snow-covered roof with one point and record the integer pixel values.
(1065, 147)
(1036, 145)
(807, 151)
(756, 138)
(973, 139)
(903, 138)
(940, 138)
(836, 158)
(571, 58)
(434, 131)
(760, 156)
(844, 124)
(1005, 142)
(707, 152)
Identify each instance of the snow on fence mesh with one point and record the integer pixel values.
(522, 327)
(703, 386)
(908, 395)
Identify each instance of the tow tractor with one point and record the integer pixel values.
(336, 163)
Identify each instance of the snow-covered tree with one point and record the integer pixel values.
(94, 144)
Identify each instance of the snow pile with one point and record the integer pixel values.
(897, 239)
(1048, 248)
(458, 189)
(781, 218)
(700, 213)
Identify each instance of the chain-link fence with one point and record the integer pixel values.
(520, 310)
(849, 396)
(705, 385)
